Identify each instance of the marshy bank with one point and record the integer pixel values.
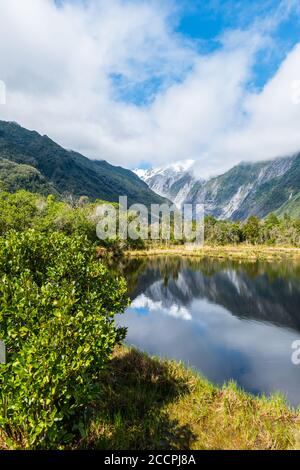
(150, 403)
(235, 252)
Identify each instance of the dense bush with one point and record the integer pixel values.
(57, 313)
(23, 210)
(270, 231)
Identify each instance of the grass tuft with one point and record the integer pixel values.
(147, 403)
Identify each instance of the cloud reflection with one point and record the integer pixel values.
(216, 340)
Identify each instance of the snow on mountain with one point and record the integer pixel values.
(246, 189)
(174, 170)
(140, 173)
(171, 181)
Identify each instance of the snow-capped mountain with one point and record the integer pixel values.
(247, 189)
(173, 181)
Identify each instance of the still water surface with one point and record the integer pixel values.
(227, 319)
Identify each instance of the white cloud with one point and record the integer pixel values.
(176, 311)
(57, 64)
(270, 119)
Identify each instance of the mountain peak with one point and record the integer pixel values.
(176, 168)
(171, 181)
(249, 188)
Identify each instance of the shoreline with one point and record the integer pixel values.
(238, 252)
(162, 404)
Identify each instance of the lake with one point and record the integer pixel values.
(229, 320)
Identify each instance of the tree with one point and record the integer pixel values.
(251, 229)
(272, 221)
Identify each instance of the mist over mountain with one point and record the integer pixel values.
(247, 189)
(36, 163)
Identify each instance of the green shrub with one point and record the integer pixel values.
(57, 320)
(23, 210)
(17, 211)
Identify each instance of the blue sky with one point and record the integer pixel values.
(150, 82)
(205, 22)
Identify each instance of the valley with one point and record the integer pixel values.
(245, 190)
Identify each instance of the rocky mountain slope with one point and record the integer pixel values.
(173, 182)
(247, 189)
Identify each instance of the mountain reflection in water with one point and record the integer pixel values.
(229, 320)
